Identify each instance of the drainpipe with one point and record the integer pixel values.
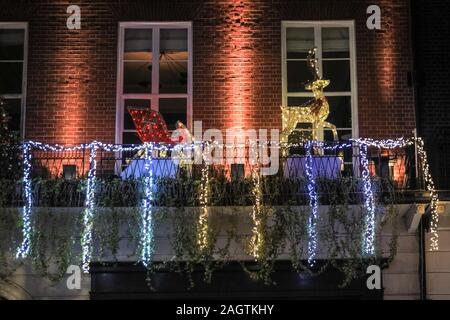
(413, 72)
(422, 225)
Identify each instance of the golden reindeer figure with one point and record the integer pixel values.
(315, 111)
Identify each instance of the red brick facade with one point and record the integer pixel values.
(71, 95)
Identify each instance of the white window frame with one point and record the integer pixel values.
(23, 95)
(121, 97)
(318, 25)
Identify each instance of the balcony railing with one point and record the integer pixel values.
(59, 177)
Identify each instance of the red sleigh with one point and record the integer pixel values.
(151, 127)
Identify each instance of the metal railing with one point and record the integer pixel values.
(119, 177)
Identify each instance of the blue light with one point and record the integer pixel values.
(146, 209)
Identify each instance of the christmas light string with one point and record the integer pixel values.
(312, 192)
(203, 225)
(257, 240)
(369, 204)
(88, 214)
(369, 233)
(313, 205)
(426, 175)
(434, 240)
(146, 214)
(24, 249)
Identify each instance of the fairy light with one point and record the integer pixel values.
(368, 245)
(24, 249)
(146, 214)
(434, 241)
(426, 175)
(313, 204)
(203, 226)
(257, 240)
(88, 214)
(312, 192)
(369, 204)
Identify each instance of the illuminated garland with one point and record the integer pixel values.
(146, 214)
(257, 240)
(24, 249)
(434, 241)
(203, 226)
(369, 232)
(369, 204)
(312, 193)
(429, 183)
(313, 204)
(88, 214)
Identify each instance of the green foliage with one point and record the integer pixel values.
(9, 151)
(116, 230)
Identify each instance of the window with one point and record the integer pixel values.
(155, 71)
(13, 66)
(336, 58)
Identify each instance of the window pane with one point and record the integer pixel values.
(173, 44)
(133, 103)
(338, 72)
(173, 110)
(130, 138)
(298, 42)
(340, 111)
(297, 101)
(10, 77)
(173, 61)
(13, 108)
(138, 44)
(298, 75)
(173, 77)
(11, 44)
(335, 43)
(345, 135)
(137, 77)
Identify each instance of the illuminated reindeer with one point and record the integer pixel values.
(315, 111)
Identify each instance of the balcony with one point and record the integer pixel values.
(59, 178)
(98, 203)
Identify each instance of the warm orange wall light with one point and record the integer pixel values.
(239, 62)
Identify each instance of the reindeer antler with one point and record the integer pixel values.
(312, 63)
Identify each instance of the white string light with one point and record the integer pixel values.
(426, 175)
(313, 204)
(146, 210)
(312, 192)
(24, 249)
(88, 214)
(434, 241)
(147, 238)
(257, 240)
(203, 225)
(369, 204)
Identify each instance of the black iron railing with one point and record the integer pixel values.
(59, 177)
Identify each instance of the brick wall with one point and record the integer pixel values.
(237, 62)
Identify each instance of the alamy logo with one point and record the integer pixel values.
(374, 20)
(74, 20)
(374, 280)
(74, 280)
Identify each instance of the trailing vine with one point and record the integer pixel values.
(116, 226)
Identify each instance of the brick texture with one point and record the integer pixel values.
(71, 95)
